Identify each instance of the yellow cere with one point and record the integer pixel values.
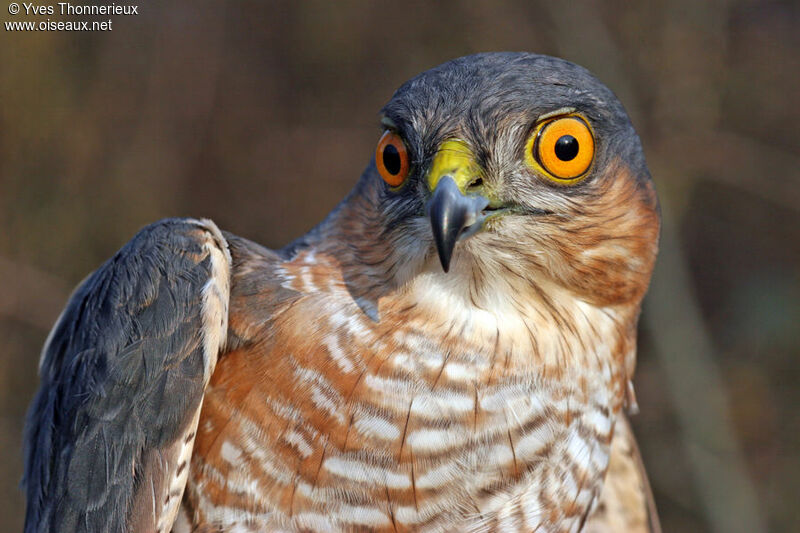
(454, 159)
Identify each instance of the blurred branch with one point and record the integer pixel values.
(31, 296)
(687, 357)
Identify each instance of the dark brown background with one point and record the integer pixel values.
(262, 115)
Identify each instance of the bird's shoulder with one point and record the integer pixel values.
(122, 377)
(274, 289)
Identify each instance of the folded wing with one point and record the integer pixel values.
(110, 431)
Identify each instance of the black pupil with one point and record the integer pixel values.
(566, 148)
(391, 160)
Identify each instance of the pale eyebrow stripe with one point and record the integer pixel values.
(557, 112)
(387, 122)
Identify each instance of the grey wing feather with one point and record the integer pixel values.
(122, 379)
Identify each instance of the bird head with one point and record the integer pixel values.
(519, 167)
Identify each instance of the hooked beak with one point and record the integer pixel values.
(453, 216)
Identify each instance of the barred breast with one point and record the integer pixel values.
(322, 419)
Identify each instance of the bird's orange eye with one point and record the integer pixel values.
(563, 147)
(391, 158)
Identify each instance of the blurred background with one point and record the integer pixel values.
(262, 115)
